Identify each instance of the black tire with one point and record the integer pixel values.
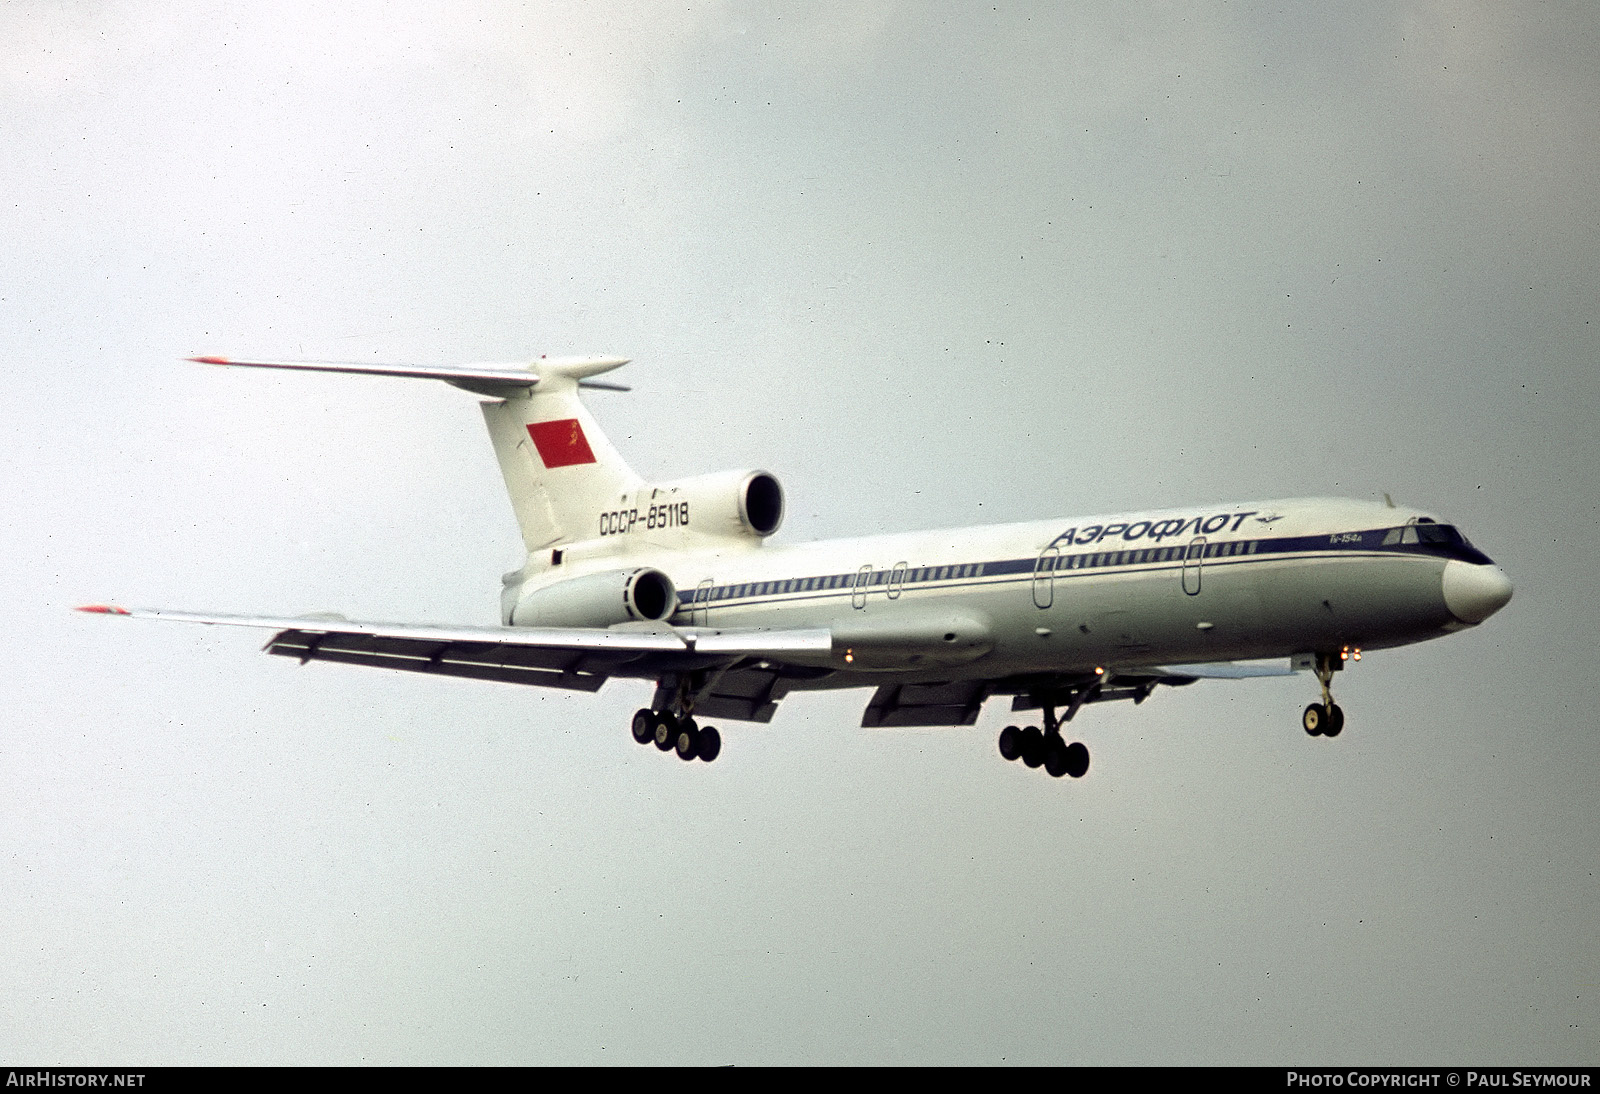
(1314, 720)
(666, 732)
(1032, 746)
(1335, 724)
(688, 740)
(644, 726)
(1010, 742)
(710, 743)
(1055, 756)
(1077, 754)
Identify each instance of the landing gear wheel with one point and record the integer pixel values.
(710, 743)
(1055, 756)
(1032, 746)
(688, 740)
(1314, 720)
(666, 732)
(1077, 757)
(1010, 742)
(644, 726)
(1335, 721)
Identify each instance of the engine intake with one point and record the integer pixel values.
(761, 503)
(745, 504)
(599, 600)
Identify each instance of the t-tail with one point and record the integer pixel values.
(560, 469)
(567, 483)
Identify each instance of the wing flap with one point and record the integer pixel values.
(495, 663)
(744, 694)
(953, 704)
(1225, 670)
(576, 658)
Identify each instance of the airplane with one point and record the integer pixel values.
(675, 583)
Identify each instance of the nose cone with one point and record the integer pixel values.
(1473, 593)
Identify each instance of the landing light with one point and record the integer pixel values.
(849, 655)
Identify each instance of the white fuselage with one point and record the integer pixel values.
(1252, 580)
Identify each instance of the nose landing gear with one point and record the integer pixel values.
(1326, 719)
(1323, 719)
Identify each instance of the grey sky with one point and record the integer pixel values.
(932, 265)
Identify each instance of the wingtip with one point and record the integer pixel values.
(102, 609)
(211, 360)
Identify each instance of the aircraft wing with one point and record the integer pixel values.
(751, 668)
(1225, 670)
(576, 658)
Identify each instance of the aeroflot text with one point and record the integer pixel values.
(1157, 530)
(1474, 1079)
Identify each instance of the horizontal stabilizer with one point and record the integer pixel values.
(485, 379)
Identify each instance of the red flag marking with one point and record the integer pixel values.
(561, 443)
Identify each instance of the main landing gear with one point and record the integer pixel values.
(1036, 747)
(1326, 719)
(670, 733)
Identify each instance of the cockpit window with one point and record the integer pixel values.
(1431, 537)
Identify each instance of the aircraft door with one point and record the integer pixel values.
(1044, 576)
(858, 593)
(1193, 559)
(897, 580)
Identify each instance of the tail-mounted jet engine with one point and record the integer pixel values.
(744, 504)
(599, 600)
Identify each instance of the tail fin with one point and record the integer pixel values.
(558, 466)
(560, 469)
